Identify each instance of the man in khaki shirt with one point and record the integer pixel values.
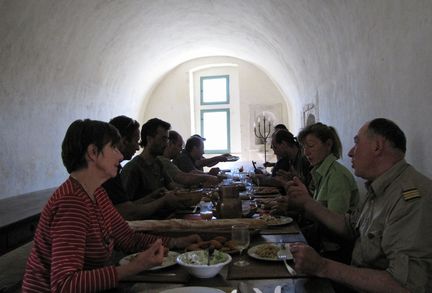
(392, 232)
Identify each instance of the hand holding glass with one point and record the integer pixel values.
(240, 237)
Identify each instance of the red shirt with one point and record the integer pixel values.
(74, 241)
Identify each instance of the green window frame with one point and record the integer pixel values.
(225, 100)
(208, 135)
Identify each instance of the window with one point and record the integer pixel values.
(214, 90)
(215, 107)
(215, 127)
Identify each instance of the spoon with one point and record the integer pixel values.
(210, 253)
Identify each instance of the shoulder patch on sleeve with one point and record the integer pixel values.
(411, 193)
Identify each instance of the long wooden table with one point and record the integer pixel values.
(224, 283)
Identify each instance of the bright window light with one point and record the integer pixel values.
(215, 128)
(215, 89)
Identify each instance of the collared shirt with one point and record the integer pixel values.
(335, 186)
(393, 227)
(141, 177)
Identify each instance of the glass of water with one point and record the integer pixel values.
(241, 238)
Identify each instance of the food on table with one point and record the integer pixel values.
(219, 243)
(182, 224)
(266, 190)
(221, 239)
(169, 259)
(193, 247)
(270, 220)
(200, 257)
(267, 251)
(216, 244)
(204, 244)
(230, 244)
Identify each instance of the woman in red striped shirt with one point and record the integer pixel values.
(79, 227)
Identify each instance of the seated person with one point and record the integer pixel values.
(275, 129)
(79, 227)
(291, 160)
(335, 187)
(144, 177)
(391, 227)
(193, 153)
(135, 210)
(172, 151)
(209, 162)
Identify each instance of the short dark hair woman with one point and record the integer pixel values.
(79, 227)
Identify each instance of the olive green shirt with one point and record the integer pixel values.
(393, 229)
(170, 168)
(141, 177)
(335, 186)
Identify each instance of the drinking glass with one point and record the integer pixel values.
(206, 210)
(240, 237)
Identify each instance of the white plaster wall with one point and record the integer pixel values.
(67, 59)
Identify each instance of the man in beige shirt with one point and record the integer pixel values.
(391, 226)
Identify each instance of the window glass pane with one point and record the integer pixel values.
(216, 130)
(214, 89)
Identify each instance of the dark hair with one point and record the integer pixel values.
(323, 133)
(150, 129)
(125, 125)
(390, 131)
(81, 134)
(280, 127)
(199, 136)
(284, 135)
(173, 136)
(192, 142)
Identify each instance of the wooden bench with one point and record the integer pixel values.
(12, 265)
(19, 216)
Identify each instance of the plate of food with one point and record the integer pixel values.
(168, 261)
(272, 221)
(265, 251)
(266, 190)
(192, 290)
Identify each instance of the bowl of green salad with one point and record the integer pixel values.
(195, 262)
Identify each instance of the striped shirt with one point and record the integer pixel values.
(74, 242)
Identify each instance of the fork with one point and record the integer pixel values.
(283, 254)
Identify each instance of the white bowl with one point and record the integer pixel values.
(200, 269)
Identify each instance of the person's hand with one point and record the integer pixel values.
(257, 178)
(183, 242)
(214, 171)
(211, 181)
(281, 207)
(172, 201)
(151, 257)
(268, 164)
(298, 194)
(223, 158)
(161, 191)
(307, 260)
(286, 175)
